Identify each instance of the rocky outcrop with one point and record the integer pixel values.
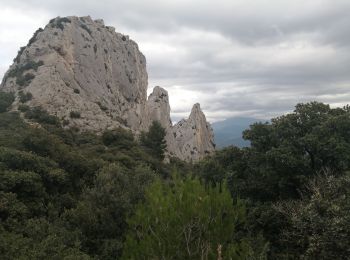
(192, 138)
(94, 78)
(157, 108)
(85, 67)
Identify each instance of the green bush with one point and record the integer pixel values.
(23, 108)
(119, 137)
(20, 51)
(320, 222)
(23, 98)
(18, 72)
(33, 39)
(59, 22)
(41, 116)
(74, 114)
(6, 100)
(84, 26)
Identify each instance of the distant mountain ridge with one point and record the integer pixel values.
(229, 131)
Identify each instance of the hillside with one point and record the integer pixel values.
(92, 168)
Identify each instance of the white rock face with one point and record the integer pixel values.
(88, 68)
(193, 138)
(76, 64)
(157, 108)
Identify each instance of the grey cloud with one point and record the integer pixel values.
(240, 57)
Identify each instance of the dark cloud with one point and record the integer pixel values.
(244, 57)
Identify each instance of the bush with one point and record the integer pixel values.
(6, 100)
(74, 114)
(33, 39)
(320, 222)
(23, 108)
(102, 107)
(20, 51)
(86, 28)
(76, 91)
(23, 98)
(41, 116)
(59, 22)
(18, 72)
(118, 137)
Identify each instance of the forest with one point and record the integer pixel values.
(67, 194)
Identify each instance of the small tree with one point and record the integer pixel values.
(184, 220)
(6, 100)
(154, 140)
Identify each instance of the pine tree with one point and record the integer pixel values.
(154, 140)
(184, 220)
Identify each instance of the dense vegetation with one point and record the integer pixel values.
(294, 180)
(65, 194)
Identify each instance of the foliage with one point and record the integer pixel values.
(119, 137)
(284, 156)
(41, 116)
(67, 194)
(154, 140)
(84, 27)
(185, 221)
(33, 39)
(18, 72)
(23, 98)
(19, 54)
(6, 100)
(59, 22)
(74, 114)
(320, 222)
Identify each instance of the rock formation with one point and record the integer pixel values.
(192, 138)
(94, 78)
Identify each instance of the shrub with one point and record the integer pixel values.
(74, 114)
(18, 72)
(41, 116)
(6, 100)
(102, 107)
(23, 98)
(33, 39)
(23, 108)
(76, 91)
(118, 137)
(21, 50)
(59, 22)
(83, 26)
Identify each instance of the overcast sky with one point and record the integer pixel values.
(236, 58)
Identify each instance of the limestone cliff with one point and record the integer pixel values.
(81, 65)
(94, 78)
(157, 108)
(192, 138)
